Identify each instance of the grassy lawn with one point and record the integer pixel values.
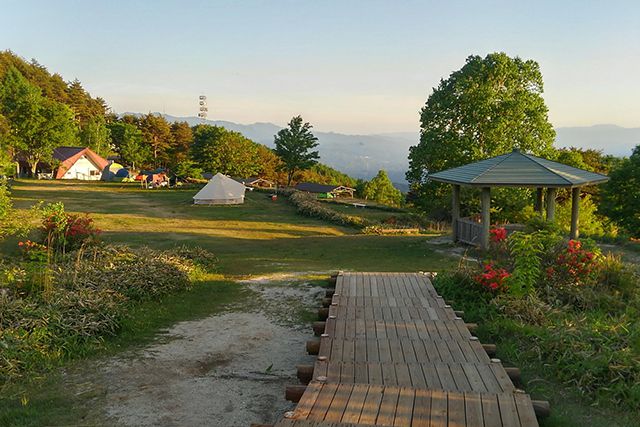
(258, 237)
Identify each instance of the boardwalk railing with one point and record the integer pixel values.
(469, 230)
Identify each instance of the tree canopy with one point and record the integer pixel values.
(487, 108)
(294, 145)
(381, 190)
(621, 198)
(217, 149)
(37, 125)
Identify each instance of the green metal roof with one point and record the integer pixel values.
(517, 169)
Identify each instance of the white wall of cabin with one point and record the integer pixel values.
(83, 169)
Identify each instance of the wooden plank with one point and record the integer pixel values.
(384, 351)
(508, 411)
(439, 406)
(431, 376)
(388, 374)
(339, 403)
(460, 377)
(322, 403)
(347, 372)
(474, 378)
(307, 400)
(489, 379)
(333, 371)
(371, 406)
(491, 411)
(356, 404)
(375, 373)
(525, 410)
(403, 378)
(408, 353)
(388, 406)
(360, 350)
(417, 376)
(421, 409)
(404, 410)
(456, 410)
(501, 377)
(446, 379)
(473, 409)
(361, 373)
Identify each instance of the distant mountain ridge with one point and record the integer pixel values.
(361, 156)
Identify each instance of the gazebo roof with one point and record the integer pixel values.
(518, 169)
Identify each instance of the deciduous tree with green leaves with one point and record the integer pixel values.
(127, 141)
(294, 145)
(620, 196)
(487, 108)
(156, 132)
(217, 149)
(37, 125)
(381, 190)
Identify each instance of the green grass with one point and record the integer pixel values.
(258, 237)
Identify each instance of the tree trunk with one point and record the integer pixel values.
(290, 177)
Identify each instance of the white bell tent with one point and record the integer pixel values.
(220, 190)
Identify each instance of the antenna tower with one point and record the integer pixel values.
(202, 113)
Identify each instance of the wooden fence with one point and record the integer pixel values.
(469, 230)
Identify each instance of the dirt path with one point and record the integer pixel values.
(225, 370)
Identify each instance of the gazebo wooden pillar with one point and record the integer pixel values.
(485, 201)
(515, 169)
(575, 212)
(551, 204)
(455, 211)
(539, 204)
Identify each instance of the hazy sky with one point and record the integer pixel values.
(346, 66)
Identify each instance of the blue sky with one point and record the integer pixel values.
(346, 66)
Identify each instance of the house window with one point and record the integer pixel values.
(93, 172)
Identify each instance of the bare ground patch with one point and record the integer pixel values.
(225, 370)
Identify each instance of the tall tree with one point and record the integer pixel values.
(181, 140)
(487, 108)
(621, 198)
(95, 135)
(217, 149)
(38, 125)
(127, 141)
(294, 144)
(381, 189)
(156, 132)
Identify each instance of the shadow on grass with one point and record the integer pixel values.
(242, 256)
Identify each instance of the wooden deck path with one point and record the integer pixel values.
(394, 354)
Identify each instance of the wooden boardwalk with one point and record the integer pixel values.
(394, 354)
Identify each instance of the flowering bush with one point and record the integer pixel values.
(33, 251)
(493, 278)
(63, 231)
(498, 234)
(574, 265)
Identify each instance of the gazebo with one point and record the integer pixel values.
(515, 169)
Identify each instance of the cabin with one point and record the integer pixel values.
(326, 191)
(255, 182)
(79, 163)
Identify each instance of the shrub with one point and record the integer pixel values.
(493, 279)
(62, 231)
(91, 291)
(307, 205)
